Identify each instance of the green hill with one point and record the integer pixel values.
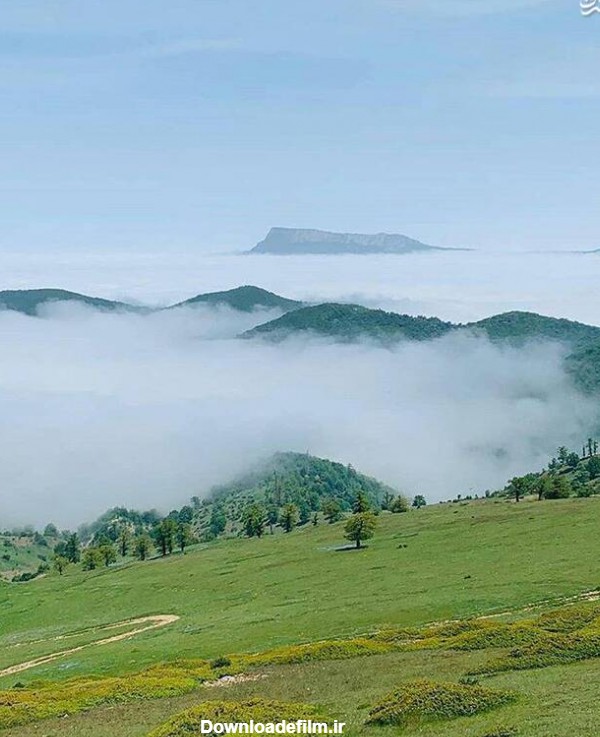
(584, 367)
(352, 322)
(28, 301)
(522, 326)
(364, 618)
(348, 322)
(245, 299)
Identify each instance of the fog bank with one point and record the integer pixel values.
(103, 409)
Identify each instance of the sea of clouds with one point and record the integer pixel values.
(102, 409)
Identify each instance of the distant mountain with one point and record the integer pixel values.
(28, 301)
(245, 299)
(290, 241)
(347, 322)
(522, 326)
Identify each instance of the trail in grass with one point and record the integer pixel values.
(142, 624)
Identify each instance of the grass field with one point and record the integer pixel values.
(246, 596)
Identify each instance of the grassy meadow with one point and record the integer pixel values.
(445, 562)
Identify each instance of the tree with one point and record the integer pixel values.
(184, 536)
(399, 505)
(272, 517)
(562, 454)
(218, 520)
(124, 541)
(361, 503)
(315, 519)
(332, 510)
(388, 498)
(108, 554)
(289, 517)
(560, 489)
(164, 535)
(542, 486)
(142, 546)
(254, 519)
(360, 527)
(517, 488)
(91, 559)
(593, 467)
(186, 515)
(72, 548)
(50, 530)
(419, 501)
(60, 563)
(572, 460)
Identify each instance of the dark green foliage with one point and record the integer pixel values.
(28, 301)
(142, 546)
(360, 527)
(310, 484)
(419, 501)
(72, 548)
(518, 327)
(289, 517)
(245, 299)
(399, 505)
(422, 701)
(348, 322)
(254, 519)
(164, 535)
(332, 510)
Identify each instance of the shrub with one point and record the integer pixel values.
(423, 700)
(221, 662)
(188, 723)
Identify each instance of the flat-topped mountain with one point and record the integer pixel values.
(28, 301)
(290, 241)
(244, 299)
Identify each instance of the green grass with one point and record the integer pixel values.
(237, 596)
(250, 595)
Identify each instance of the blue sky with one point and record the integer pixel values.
(144, 125)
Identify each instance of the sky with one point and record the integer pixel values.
(139, 126)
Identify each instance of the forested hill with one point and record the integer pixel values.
(353, 322)
(244, 299)
(522, 326)
(29, 301)
(348, 322)
(295, 485)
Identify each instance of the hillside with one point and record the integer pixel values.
(291, 241)
(28, 301)
(347, 322)
(312, 485)
(522, 326)
(24, 554)
(584, 367)
(265, 596)
(245, 299)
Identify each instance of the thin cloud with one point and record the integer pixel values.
(465, 7)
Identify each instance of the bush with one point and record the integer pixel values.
(423, 700)
(188, 723)
(221, 662)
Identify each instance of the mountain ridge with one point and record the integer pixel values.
(290, 241)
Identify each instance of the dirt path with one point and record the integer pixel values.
(142, 624)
